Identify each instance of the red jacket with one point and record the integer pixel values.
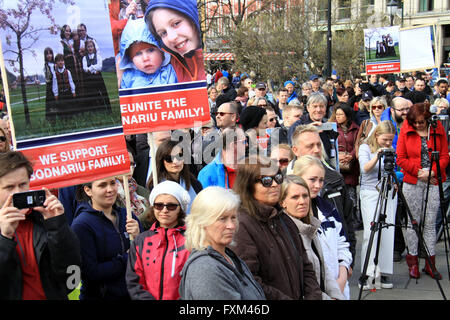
(155, 261)
(117, 25)
(409, 149)
(189, 68)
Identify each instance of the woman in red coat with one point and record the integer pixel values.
(414, 157)
(158, 255)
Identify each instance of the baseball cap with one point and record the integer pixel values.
(260, 85)
(367, 95)
(402, 79)
(314, 77)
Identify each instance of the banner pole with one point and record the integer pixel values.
(126, 190)
(153, 155)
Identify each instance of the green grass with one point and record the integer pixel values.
(373, 59)
(82, 121)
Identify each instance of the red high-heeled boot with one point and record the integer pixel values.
(429, 270)
(413, 264)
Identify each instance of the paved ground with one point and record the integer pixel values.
(405, 288)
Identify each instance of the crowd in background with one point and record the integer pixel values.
(264, 200)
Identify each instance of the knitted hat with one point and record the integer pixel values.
(174, 189)
(251, 116)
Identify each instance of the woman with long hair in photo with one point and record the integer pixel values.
(49, 72)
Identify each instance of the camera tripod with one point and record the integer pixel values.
(389, 179)
(435, 160)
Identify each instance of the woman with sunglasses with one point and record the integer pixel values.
(335, 246)
(376, 107)
(414, 146)
(158, 255)
(267, 239)
(170, 165)
(4, 144)
(296, 202)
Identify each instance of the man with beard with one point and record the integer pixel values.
(396, 114)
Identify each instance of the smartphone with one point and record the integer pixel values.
(29, 199)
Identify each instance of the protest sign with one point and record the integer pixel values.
(382, 50)
(58, 63)
(162, 78)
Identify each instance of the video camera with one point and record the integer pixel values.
(389, 158)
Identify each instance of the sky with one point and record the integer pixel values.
(378, 32)
(93, 13)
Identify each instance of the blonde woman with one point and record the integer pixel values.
(376, 108)
(381, 138)
(333, 239)
(213, 271)
(296, 202)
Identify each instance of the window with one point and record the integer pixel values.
(426, 5)
(344, 9)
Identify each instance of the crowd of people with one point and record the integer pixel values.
(249, 206)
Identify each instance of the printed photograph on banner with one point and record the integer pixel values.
(160, 64)
(382, 51)
(60, 65)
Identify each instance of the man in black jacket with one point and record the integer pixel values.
(39, 253)
(306, 141)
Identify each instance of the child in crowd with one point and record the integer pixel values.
(143, 62)
(63, 86)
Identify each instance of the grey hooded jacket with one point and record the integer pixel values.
(206, 275)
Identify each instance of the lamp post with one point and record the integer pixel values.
(329, 68)
(392, 6)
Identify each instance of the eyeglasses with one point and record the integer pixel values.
(272, 119)
(222, 113)
(268, 180)
(170, 206)
(283, 161)
(262, 105)
(2, 138)
(379, 107)
(403, 110)
(169, 158)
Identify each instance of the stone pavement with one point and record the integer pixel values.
(424, 288)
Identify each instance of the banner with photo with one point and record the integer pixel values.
(59, 66)
(382, 53)
(161, 75)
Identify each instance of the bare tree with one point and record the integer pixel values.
(24, 35)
